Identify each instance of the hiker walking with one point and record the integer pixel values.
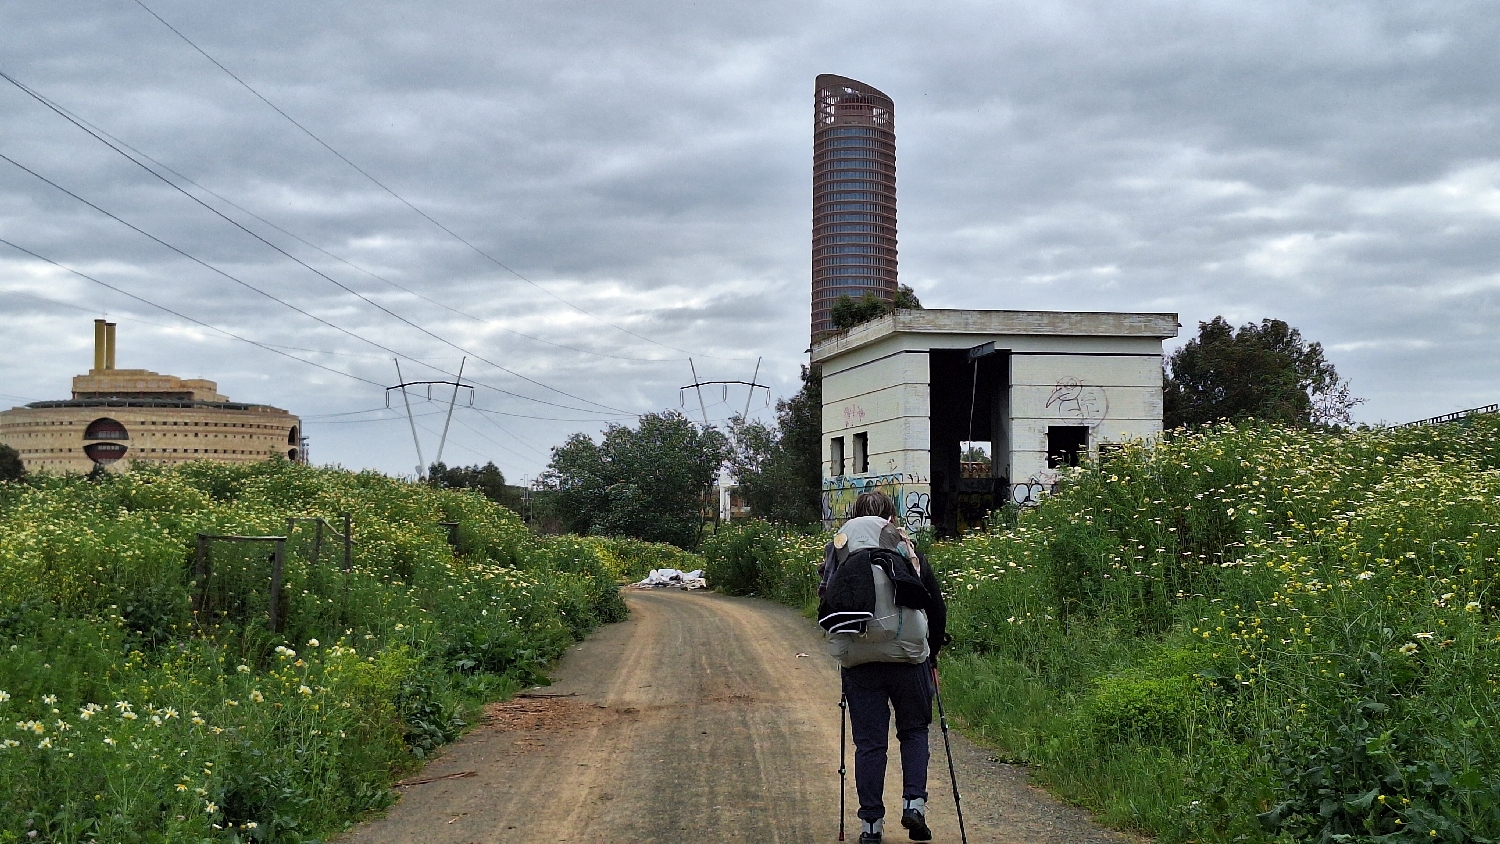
(885, 619)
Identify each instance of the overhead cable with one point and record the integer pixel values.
(524, 416)
(372, 274)
(317, 418)
(181, 315)
(492, 259)
(267, 295)
(494, 442)
(351, 291)
(508, 433)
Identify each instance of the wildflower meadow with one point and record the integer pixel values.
(128, 713)
(1246, 633)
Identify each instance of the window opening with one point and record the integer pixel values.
(861, 453)
(105, 429)
(1066, 444)
(974, 459)
(836, 456)
(105, 453)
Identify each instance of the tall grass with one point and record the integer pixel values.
(758, 558)
(128, 717)
(1250, 633)
(633, 559)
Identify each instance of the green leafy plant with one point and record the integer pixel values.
(140, 716)
(1244, 632)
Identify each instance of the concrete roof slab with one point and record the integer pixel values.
(987, 323)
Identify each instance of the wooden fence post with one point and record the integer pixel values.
(318, 540)
(200, 576)
(278, 561)
(348, 543)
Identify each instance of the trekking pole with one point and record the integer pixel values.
(843, 725)
(947, 748)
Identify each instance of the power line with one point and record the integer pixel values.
(347, 413)
(104, 312)
(372, 274)
(267, 295)
(495, 443)
(180, 315)
(398, 196)
(513, 436)
(472, 451)
(550, 418)
(351, 291)
(318, 419)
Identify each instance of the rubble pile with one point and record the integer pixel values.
(672, 578)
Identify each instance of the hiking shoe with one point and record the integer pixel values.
(915, 822)
(869, 831)
(869, 838)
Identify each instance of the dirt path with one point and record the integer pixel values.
(693, 721)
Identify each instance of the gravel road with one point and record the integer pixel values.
(695, 720)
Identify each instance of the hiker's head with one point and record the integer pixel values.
(874, 503)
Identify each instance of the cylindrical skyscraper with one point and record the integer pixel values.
(854, 196)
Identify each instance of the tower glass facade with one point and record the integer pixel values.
(854, 196)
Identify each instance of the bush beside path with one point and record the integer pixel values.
(131, 716)
(1248, 633)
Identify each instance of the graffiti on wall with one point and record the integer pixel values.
(910, 492)
(1030, 491)
(1072, 399)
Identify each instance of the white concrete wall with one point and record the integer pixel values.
(1102, 370)
(1117, 397)
(888, 398)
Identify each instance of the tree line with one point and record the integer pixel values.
(654, 481)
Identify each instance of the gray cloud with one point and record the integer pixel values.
(1331, 164)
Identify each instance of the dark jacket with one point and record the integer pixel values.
(929, 599)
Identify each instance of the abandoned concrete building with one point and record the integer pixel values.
(956, 412)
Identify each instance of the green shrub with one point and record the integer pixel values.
(144, 720)
(1243, 633)
(1134, 708)
(633, 559)
(756, 558)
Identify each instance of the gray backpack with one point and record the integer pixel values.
(894, 633)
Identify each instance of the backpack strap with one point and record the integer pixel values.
(845, 622)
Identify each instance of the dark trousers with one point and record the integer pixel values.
(873, 690)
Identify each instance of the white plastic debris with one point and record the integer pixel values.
(672, 578)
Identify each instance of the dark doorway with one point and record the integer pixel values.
(970, 406)
(1066, 444)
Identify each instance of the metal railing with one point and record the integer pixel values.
(347, 537)
(203, 569)
(1453, 417)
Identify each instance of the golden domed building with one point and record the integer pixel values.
(117, 417)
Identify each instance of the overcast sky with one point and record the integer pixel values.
(639, 172)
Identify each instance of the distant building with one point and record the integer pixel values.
(117, 417)
(956, 412)
(854, 197)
